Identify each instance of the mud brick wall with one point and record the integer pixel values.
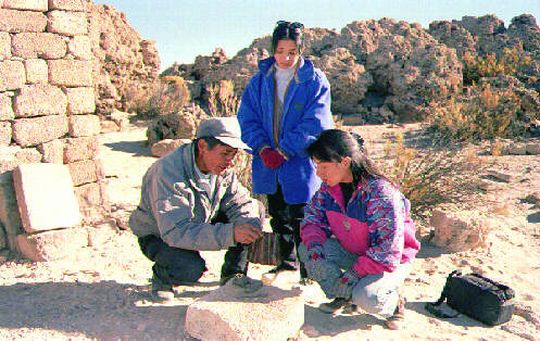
(47, 102)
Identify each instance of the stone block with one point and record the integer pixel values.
(5, 46)
(52, 245)
(38, 45)
(80, 47)
(6, 109)
(67, 23)
(459, 231)
(68, 5)
(83, 172)
(92, 203)
(39, 100)
(37, 71)
(270, 313)
(13, 156)
(12, 75)
(5, 133)
(34, 131)
(81, 101)
(27, 5)
(70, 72)
(9, 213)
(22, 21)
(533, 148)
(52, 152)
(89, 195)
(79, 149)
(109, 127)
(46, 197)
(84, 125)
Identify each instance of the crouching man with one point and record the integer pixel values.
(191, 201)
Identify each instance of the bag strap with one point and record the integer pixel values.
(508, 292)
(435, 307)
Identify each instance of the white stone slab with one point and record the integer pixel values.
(270, 313)
(45, 197)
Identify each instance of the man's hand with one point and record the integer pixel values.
(246, 233)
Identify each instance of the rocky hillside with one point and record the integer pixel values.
(384, 70)
(124, 62)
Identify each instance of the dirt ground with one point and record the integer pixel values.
(102, 292)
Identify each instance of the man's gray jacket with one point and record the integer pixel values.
(175, 209)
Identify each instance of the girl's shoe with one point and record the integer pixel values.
(397, 320)
(335, 305)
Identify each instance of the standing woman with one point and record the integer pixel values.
(358, 240)
(284, 107)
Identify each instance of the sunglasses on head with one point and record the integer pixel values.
(290, 25)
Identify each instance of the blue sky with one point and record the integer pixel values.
(184, 29)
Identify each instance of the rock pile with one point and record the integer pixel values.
(385, 70)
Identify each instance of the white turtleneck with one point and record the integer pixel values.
(283, 77)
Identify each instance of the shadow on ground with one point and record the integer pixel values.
(104, 310)
(137, 148)
(317, 323)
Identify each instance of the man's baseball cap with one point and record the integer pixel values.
(225, 129)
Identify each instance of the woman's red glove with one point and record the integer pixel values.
(271, 158)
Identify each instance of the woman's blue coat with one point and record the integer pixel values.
(306, 113)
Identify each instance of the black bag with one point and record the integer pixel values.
(477, 297)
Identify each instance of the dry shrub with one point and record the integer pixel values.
(432, 176)
(168, 95)
(242, 168)
(509, 63)
(496, 148)
(222, 100)
(487, 114)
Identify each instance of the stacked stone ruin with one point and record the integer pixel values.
(47, 104)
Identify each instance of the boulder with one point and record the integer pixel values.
(459, 231)
(227, 313)
(166, 146)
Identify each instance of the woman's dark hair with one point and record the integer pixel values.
(288, 30)
(334, 144)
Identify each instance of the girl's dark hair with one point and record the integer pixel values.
(334, 144)
(288, 30)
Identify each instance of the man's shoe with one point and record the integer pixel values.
(335, 305)
(161, 291)
(397, 320)
(283, 267)
(244, 283)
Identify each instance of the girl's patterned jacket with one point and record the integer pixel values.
(375, 224)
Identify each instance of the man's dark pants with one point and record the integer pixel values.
(179, 266)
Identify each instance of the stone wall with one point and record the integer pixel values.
(47, 102)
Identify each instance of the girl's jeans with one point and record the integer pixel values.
(375, 294)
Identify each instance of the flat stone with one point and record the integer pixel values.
(68, 5)
(45, 197)
(270, 313)
(39, 100)
(70, 73)
(12, 75)
(84, 125)
(28, 5)
(67, 23)
(6, 108)
(37, 71)
(22, 21)
(38, 45)
(37, 130)
(81, 101)
(52, 245)
(5, 45)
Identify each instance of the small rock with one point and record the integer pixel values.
(499, 175)
(533, 148)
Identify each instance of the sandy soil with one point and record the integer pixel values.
(102, 292)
